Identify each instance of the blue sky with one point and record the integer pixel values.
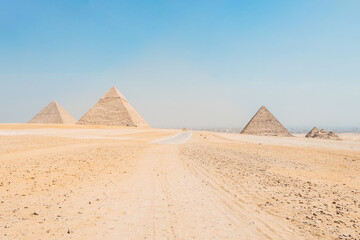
(185, 63)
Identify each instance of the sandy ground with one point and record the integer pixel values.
(68, 182)
(179, 138)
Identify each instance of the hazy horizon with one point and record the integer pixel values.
(203, 64)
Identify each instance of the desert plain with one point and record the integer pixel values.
(82, 182)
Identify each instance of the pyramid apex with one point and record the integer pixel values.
(113, 93)
(55, 105)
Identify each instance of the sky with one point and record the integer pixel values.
(195, 64)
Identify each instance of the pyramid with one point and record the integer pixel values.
(114, 110)
(265, 124)
(322, 134)
(312, 132)
(53, 113)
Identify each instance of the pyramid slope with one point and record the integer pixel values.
(114, 110)
(265, 124)
(53, 113)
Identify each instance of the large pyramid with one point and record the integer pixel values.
(265, 124)
(113, 109)
(53, 113)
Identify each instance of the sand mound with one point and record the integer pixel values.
(316, 133)
(53, 113)
(265, 124)
(113, 109)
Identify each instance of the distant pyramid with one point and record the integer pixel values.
(265, 124)
(53, 113)
(316, 133)
(113, 109)
(312, 132)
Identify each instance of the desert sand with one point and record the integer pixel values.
(81, 182)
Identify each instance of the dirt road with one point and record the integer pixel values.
(164, 200)
(179, 138)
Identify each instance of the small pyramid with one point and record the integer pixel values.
(265, 124)
(322, 134)
(312, 133)
(53, 113)
(114, 110)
